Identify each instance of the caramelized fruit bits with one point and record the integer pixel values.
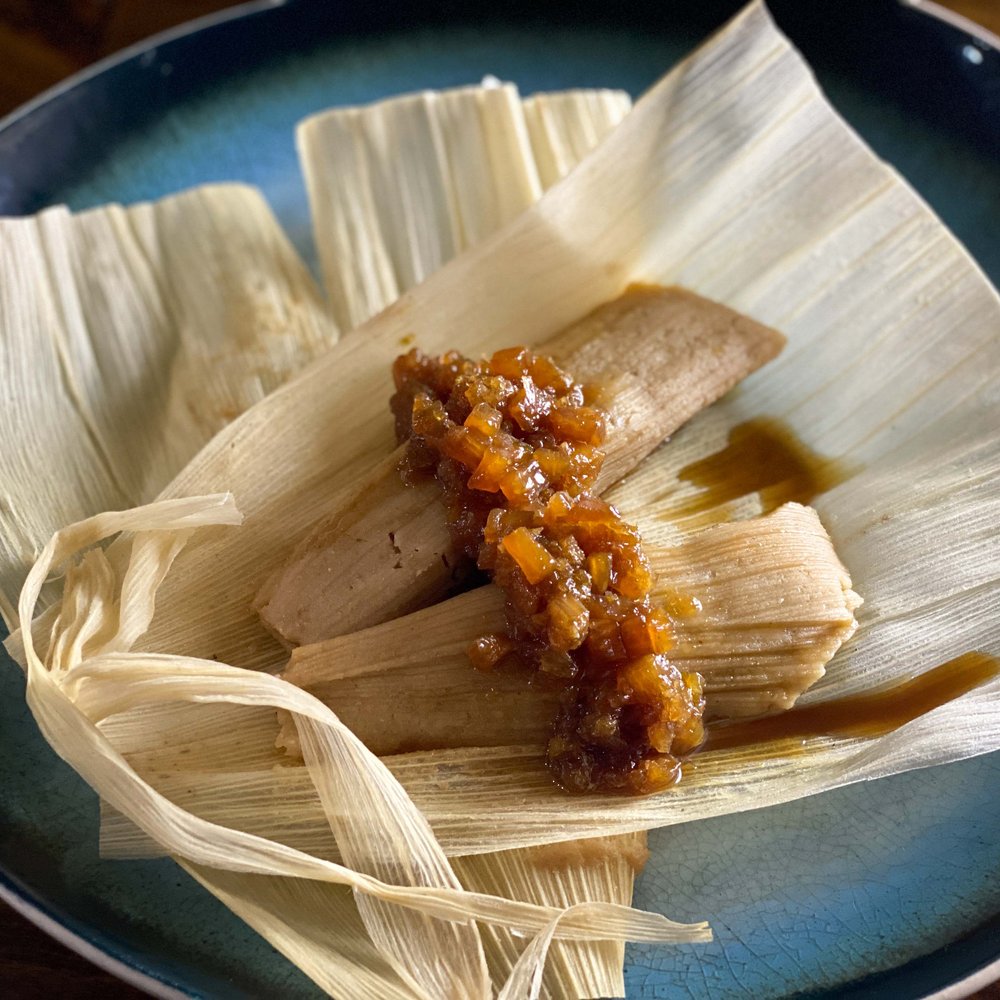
(515, 444)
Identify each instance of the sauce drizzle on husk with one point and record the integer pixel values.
(762, 456)
(864, 715)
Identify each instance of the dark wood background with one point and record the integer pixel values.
(41, 42)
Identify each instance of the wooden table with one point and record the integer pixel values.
(41, 42)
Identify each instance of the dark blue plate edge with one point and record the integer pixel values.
(135, 51)
(96, 946)
(80, 937)
(956, 20)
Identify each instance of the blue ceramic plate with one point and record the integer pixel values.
(887, 889)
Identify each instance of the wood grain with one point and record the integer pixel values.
(33, 965)
(42, 43)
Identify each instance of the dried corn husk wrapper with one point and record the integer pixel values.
(562, 128)
(732, 177)
(130, 336)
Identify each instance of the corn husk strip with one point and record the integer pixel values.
(387, 549)
(526, 976)
(374, 838)
(379, 830)
(602, 870)
(775, 605)
(472, 160)
(314, 923)
(130, 336)
(319, 931)
(591, 870)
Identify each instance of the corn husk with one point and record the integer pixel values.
(879, 303)
(473, 159)
(130, 336)
(735, 178)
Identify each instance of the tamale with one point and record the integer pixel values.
(775, 605)
(386, 550)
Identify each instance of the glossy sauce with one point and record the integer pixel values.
(762, 456)
(516, 449)
(865, 715)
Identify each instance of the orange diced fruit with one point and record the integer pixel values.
(494, 522)
(578, 423)
(605, 641)
(653, 775)
(556, 663)
(511, 362)
(584, 467)
(428, 419)
(660, 737)
(547, 374)
(554, 464)
(488, 650)
(558, 508)
(568, 621)
(530, 405)
(464, 446)
(599, 566)
(484, 419)
(633, 576)
(647, 634)
(521, 483)
(590, 508)
(489, 472)
(531, 556)
(642, 679)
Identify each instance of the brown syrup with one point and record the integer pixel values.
(762, 456)
(867, 715)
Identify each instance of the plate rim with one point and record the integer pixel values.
(29, 905)
(137, 50)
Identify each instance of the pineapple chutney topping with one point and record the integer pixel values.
(515, 444)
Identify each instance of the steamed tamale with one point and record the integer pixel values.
(659, 356)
